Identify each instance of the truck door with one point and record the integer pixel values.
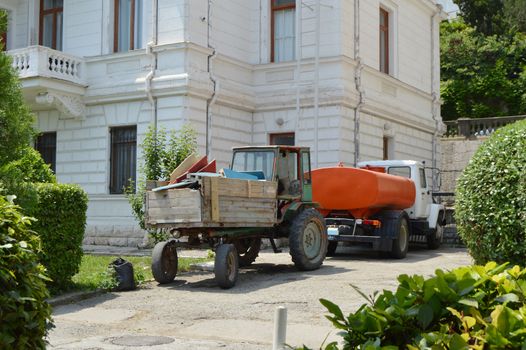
(423, 192)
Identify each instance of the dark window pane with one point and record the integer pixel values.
(46, 145)
(286, 139)
(123, 158)
(277, 3)
(51, 4)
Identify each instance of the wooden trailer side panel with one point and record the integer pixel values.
(220, 203)
(182, 206)
(239, 203)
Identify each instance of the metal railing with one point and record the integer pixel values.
(39, 61)
(468, 128)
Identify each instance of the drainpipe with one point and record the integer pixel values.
(435, 97)
(212, 100)
(299, 9)
(150, 51)
(317, 81)
(357, 82)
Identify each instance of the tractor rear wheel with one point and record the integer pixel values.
(247, 250)
(164, 262)
(226, 266)
(308, 240)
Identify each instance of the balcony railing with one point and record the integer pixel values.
(39, 61)
(478, 127)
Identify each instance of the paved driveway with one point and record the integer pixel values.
(194, 313)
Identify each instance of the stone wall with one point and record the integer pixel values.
(456, 154)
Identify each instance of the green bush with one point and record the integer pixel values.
(61, 221)
(24, 313)
(472, 307)
(490, 206)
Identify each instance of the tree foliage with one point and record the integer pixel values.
(490, 206)
(16, 120)
(482, 76)
(492, 17)
(24, 313)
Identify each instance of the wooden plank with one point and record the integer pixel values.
(184, 166)
(174, 202)
(175, 193)
(214, 198)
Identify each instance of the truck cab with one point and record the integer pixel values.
(424, 215)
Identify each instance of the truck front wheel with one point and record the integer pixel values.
(308, 240)
(401, 243)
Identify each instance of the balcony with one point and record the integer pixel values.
(51, 78)
(472, 128)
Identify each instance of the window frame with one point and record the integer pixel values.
(55, 11)
(273, 10)
(42, 145)
(133, 22)
(114, 172)
(386, 30)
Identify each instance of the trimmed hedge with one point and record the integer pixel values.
(471, 307)
(61, 221)
(490, 208)
(24, 312)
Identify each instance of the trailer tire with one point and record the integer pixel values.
(226, 266)
(164, 262)
(401, 242)
(331, 248)
(435, 236)
(308, 240)
(247, 250)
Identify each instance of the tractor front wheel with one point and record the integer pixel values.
(308, 240)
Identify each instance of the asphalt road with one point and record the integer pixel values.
(194, 313)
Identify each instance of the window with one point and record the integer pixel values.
(128, 25)
(423, 181)
(51, 19)
(46, 145)
(305, 159)
(254, 161)
(386, 148)
(403, 171)
(283, 28)
(285, 139)
(123, 158)
(384, 41)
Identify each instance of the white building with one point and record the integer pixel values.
(352, 79)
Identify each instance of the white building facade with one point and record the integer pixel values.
(352, 79)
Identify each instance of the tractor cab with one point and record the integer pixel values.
(288, 165)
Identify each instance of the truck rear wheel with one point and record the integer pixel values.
(401, 243)
(308, 240)
(164, 262)
(434, 238)
(226, 266)
(247, 250)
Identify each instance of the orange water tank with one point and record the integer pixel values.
(360, 192)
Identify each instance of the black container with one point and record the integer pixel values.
(124, 274)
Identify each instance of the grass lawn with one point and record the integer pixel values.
(94, 273)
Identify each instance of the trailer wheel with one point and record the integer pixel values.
(308, 240)
(331, 248)
(247, 250)
(434, 238)
(401, 243)
(226, 266)
(164, 262)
